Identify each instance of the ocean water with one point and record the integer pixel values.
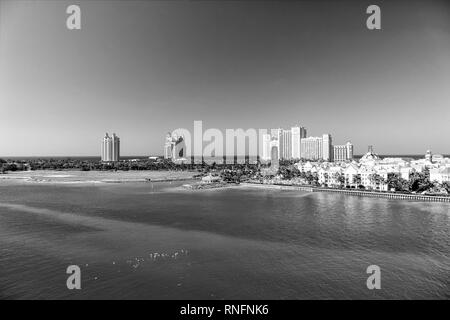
(152, 241)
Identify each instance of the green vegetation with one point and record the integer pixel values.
(287, 173)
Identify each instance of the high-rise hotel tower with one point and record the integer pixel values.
(111, 148)
(317, 148)
(298, 133)
(288, 143)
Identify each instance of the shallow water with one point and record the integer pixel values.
(150, 241)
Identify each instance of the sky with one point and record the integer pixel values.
(143, 68)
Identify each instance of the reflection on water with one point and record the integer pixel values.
(150, 241)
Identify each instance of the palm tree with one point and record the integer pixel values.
(376, 179)
(357, 180)
(326, 176)
(446, 186)
(339, 177)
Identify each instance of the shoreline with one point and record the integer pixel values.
(359, 193)
(75, 177)
(95, 177)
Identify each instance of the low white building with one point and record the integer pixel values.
(351, 173)
(440, 175)
(373, 173)
(405, 172)
(210, 179)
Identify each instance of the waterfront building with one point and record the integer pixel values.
(312, 148)
(275, 133)
(323, 176)
(285, 144)
(211, 179)
(295, 131)
(351, 173)
(437, 158)
(175, 148)
(440, 175)
(372, 172)
(274, 153)
(298, 133)
(110, 151)
(327, 152)
(333, 174)
(306, 167)
(405, 173)
(317, 148)
(365, 174)
(429, 155)
(342, 153)
(168, 146)
(266, 152)
(370, 158)
(422, 164)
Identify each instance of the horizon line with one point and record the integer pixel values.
(146, 156)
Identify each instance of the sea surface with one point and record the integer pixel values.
(153, 241)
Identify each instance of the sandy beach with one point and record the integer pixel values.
(91, 177)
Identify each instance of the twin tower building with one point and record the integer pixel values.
(111, 148)
(294, 144)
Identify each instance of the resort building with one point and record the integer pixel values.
(285, 144)
(298, 133)
(317, 148)
(288, 143)
(266, 141)
(274, 153)
(110, 148)
(312, 148)
(440, 175)
(342, 153)
(175, 149)
(327, 151)
(351, 175)
(372, 172)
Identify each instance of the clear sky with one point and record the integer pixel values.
(143, 68)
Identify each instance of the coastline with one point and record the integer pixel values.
(74, 177)
(95, 177)
(359, 193)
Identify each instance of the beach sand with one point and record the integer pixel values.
(83, 177)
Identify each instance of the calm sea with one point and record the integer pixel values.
(150, 241)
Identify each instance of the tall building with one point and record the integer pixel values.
(275, 136)
(312, 148)
(285, 144)
(266, 152)
(274, 154)
(275, 133)
(175, 147)
(298, 133)
(111, 148)
(327, 151)
(349, 150)
(169, 146)
(343, 152)
(429, 155)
